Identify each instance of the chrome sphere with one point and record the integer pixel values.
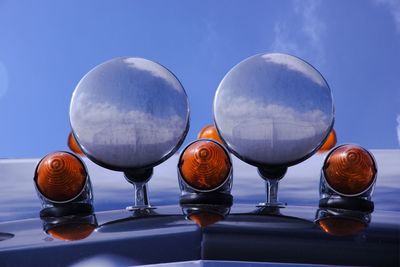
(273, 110)
(129, 113)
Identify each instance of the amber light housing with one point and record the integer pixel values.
(204, 166)
(60, 177)
(341, 222)
(73, 145)
(350, 170)
(330, 142)
(210, 132)
(72, 232)
(341, 226)
(204, 219)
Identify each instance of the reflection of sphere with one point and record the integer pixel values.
(341, 226)
(210, 132)
(60, 176)
(73, 145)
(72, 231)
(204, 218)
(273, 109)
(129, 113)
(349, 170)
(205, 165)
(329, 143)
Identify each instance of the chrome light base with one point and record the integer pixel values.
(272, 176)
(139, 179)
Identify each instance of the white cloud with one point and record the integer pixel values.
(121, 137)
(3, 79)
(296, 65)
(272, 117)
(398, 128)
(306, 26)
(104, 123)
(394, 6)
(155, 69)
(274, 132)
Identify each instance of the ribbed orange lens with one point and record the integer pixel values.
(73, 145)
(204, 219)
(205, 165)
(71, 232)
(329, 143)
(60, 176)
(341, 226)
(210, 132)
(350, 170)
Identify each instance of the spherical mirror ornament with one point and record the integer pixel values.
(273, 110)
(129, 113)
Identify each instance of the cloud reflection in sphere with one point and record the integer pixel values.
(273, 110)
(129, 113)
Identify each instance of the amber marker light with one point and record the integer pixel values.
(73, 145)
(329, 143)
(60, 176)
(204, 219)
(205, 165)
(349, 170)
(341, 226)
(72, 232)
(210, 132)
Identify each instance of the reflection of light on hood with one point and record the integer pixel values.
(127, 127)
(3, 79)
(297, 65)
(277, 121)
(105, 260)
(155, 69)
(398, 128)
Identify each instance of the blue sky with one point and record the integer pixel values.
(47, 46)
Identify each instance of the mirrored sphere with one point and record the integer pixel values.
(129, 113)
(273, 110)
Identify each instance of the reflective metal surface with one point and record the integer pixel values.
(129, 113)
(273, 110)
(243, 235)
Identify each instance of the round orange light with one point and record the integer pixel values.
(73, 145)
(210, 132)
(72, 232)
(205, 165)
(329, 143)
(204, 219)
(349, 170)
(60, 176)
(341, 226)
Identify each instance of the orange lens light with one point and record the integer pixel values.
(60, 176)
(72, 232)
(210, 132)
(329, 143)
(341, 226)
(349, 170)
(205, 165)
(204, 219)
(73, 145)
